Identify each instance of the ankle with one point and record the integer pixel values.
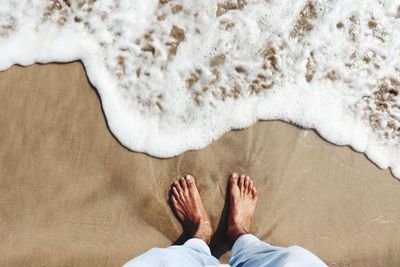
(234, 232)
(204, 231)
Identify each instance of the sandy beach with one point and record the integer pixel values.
(72, 195)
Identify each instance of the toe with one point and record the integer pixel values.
(241, 182)
(175, 192)
(234, 178)
(246, 183)
(250, 188)
(254, 193)
(178, 188)
(183, 184)
(173, 200)
(190, 182)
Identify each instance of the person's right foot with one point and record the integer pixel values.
(243, 200)
(189, 209)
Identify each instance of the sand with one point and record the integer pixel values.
(71, 195)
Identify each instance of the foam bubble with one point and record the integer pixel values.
(174, 75)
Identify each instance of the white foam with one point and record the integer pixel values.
(175, 75)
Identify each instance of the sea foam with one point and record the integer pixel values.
(174, 75)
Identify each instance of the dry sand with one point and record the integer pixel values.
(71, 195)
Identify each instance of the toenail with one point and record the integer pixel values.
(235, 175)
(188, 178)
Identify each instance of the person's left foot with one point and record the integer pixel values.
(186, 201)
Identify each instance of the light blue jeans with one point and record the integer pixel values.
(248, 251)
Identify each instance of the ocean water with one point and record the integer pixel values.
(175, 75)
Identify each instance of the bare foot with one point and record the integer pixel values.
(243, 200)
(189, 209)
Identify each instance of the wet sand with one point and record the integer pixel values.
(71, 195)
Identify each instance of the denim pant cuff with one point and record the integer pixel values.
(198, 245)
(244, 241)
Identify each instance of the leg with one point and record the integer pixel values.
(188, 207)
(195, 252)
(248, 250)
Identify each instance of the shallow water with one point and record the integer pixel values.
(175, 75)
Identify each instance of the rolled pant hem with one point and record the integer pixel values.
(244, 241)
(198, 245)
